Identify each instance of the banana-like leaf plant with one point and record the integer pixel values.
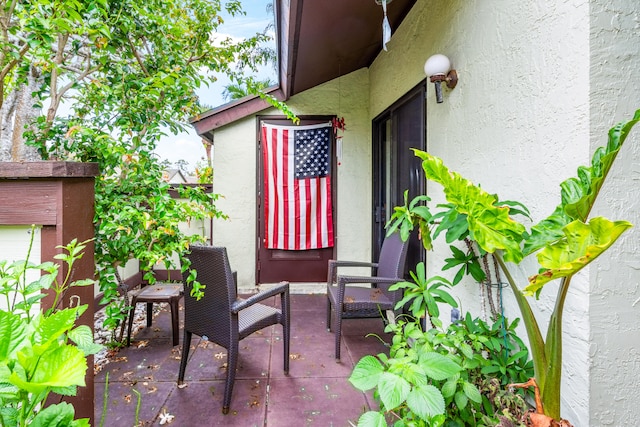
(564, 243)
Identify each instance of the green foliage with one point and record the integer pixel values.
(423, 295)
(129, 71)
(41, 352)
(565, 242)
(452, 376)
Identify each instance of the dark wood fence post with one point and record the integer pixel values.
(59, 196)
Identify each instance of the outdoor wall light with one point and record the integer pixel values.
(438, 68)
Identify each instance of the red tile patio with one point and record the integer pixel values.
(315, 393)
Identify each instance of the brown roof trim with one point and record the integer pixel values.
(220, 116)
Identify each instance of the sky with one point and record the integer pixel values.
(188, 146)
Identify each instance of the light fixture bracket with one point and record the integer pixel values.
(451, 78)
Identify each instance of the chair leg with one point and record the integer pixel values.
(338, 331)
(328, 314)
(174, 320)
(232, 362)
(132, 312)
(149, 314)
(286, 329)
(186, 345)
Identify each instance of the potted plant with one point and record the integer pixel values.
(563, 243)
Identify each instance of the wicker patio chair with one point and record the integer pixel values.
(350, 302)
(221, 317)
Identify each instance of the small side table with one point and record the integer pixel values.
(157, 293)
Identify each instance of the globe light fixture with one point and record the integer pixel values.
(438, 69)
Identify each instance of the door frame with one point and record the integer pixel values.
(259, 227)
(378, 170)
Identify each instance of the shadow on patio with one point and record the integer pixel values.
(316, 392)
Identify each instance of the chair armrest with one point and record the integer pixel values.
(238, 305)
(344, 280)
(332, 272)
(339, 263)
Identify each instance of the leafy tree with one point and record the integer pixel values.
(262, 54)
(235, 91)
(102, 81)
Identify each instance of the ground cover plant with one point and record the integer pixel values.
(438, 375)
(563, 243)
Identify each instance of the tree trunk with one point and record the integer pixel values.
(18, 111)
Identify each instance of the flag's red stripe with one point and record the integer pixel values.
(307, 224)
(318, 212)
(329, 213)
(275, 172)
(297, 219)
(265, 199)
(285, 188)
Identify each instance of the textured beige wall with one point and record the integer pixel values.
(614, 312)
(235, 175)
(540, 84)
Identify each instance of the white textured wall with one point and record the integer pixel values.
(14, 246)
(615, 278)
(518, 123)
(235, 175)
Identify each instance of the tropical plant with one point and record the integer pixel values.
(41, 352)
(453, 376)
(564, 243)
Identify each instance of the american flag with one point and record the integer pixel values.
(297, 186)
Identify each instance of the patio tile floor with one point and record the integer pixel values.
(315, 393)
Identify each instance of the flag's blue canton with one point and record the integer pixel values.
(312, 153)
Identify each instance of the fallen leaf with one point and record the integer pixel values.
(295, 356)
(165, 417)
(220, 355)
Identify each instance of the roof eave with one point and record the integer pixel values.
(220, 116)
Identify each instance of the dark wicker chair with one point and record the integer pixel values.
(221, 317)
(349, 302)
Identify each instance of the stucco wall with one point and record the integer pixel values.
(614, 313)
(540, 84)
(521, 120)
(235, 175)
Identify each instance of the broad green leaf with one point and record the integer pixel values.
(461, 400)
(579, 194)
(426, 401)
(366, 373)
(490, 226)
(466, 350)
(82, 336)
(437, 366)
(13, 334)
(63, 367)
(449, 388)
(372, 419)
(582, 244)
(472, 392)
(393, 390)
(57, 415)
(53, 326)
(10, 416)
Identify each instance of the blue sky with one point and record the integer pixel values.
(188, 146)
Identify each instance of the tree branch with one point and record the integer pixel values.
(138, 58)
